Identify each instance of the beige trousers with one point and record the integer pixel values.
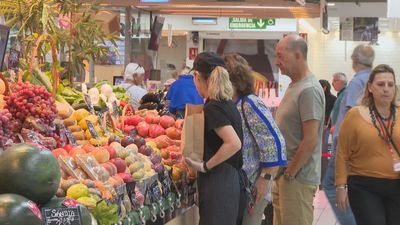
(293, 202)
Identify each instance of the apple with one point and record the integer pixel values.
(167, 121)
(111, 150)
(111, 168)
(127, 177)
(143, 129)
(101, 155)
(120, 164)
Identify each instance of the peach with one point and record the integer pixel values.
(88, 147)
(76, 151)
(101, 155)
(59, 151)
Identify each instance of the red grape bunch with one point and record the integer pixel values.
(27, 100)
(6, 132)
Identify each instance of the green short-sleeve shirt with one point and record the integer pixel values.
(303, 101)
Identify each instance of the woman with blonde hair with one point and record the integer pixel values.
(368, 156)
(218, 180)
(263, 147)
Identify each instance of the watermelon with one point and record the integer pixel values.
(27, 171)
(86, 219)
(16, 209)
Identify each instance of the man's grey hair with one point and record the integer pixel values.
(364, 54)
(298, 43)
(341, 76)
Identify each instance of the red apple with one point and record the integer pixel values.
(167, 121)
(111, 168)
(120, 164)
(127, 177)
(111, 150)
(143, 129)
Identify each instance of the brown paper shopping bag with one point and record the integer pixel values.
(192, 143)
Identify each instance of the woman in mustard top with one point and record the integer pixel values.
(367, 161)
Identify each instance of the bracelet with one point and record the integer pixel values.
(341, 187)
(205, 167)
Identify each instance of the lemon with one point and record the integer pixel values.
(77, 191)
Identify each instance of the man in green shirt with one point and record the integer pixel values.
(300, 117)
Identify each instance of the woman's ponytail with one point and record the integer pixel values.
(219, 85)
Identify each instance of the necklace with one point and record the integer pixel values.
(376, 115)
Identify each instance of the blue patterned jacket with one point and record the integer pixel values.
(267, 148)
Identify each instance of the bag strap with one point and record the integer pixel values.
(245, 119)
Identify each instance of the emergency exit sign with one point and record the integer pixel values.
(249, 23)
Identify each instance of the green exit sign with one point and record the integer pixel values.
(249, 23)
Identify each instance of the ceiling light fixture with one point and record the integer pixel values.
(177, 6)
(331, 4)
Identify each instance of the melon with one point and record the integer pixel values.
(16, 209)
(30, 172)
(86, 219)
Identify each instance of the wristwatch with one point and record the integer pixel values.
(287, 176)
(266, 176)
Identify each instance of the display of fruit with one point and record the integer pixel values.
(30, 172)
(77, 191)
(86, 219)
(31, 100)
(173, 133)
(167, 121)
(120, 164)
(16, 209)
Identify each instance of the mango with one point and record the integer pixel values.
(79, 114)
(87, 201)
(77, 191)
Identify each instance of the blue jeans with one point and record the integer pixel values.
(328, 184)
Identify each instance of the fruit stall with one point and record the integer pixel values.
(89, 154)
(81, 155)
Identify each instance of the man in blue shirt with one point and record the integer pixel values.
(182, 92)
(362, 58)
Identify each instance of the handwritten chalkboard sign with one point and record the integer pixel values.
(61, 216)
(165, 181)
(154, 192)
(92, 129)
(89, 103)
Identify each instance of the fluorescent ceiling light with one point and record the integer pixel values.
(331, 4)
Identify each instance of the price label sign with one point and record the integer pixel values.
(115, 109)
(155, 192)
(70, 137)
(165, 180)
(89, 103)
(61, 216)
(102, 125)
(130, 189)
(120, 196)
(92, 129)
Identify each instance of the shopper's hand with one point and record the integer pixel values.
(198, 166)
(261, 187)
(342, 200)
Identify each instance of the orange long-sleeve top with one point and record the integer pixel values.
(361, 151)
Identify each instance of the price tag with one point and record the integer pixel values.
(130, 189)
(92, 130)
(70, 137)
(133, 133)
(115, 109)
(120, 196)
(165, 180)
(89, 102)
(61, 216)
(155, 192)
(34, 138)
(102, 125)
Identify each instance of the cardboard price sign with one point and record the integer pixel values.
(115, 109)
(61, 216)
(70, 137)
(92, 129)
(89, 102)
